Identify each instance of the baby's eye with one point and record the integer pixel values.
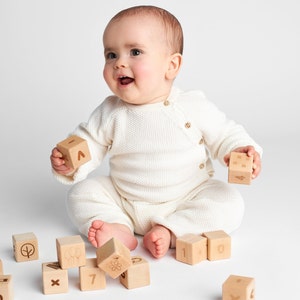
(135, 52)
(110, 55)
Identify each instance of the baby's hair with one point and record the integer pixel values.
(172, 26)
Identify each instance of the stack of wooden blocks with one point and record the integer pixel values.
(70, 254)
(113, 258)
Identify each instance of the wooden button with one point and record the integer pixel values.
(187, 125)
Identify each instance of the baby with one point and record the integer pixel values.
(160, 140)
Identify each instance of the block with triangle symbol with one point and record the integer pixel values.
(75, 151)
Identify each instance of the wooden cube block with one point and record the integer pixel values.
(191, 249)
(91, 277)
(218, 245)
(6, 287)
(238, 288)
(25, 247)
(137, 275)
(70, 251)
(75, 151)
(1, 268)
(240, 168)
(55, 279)
(113, 258)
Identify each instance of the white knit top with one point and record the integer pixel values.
(159, 152)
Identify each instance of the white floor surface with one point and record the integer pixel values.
(265, 247)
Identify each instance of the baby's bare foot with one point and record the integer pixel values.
(100, 232)
(157, 240)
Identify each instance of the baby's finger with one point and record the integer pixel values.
(56, 153)
(56, 161)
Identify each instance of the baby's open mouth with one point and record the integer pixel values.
(124, 80)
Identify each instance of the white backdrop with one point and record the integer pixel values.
(243, 54)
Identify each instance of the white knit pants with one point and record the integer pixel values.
(215, 205)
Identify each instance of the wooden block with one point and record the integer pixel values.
(191, 249)
(55, 279)
(113, 258)
(218, 245)
(70, 251)
(1, 269)
(240, 168)
(25, 247)
(137, 275)
(91, 277)
(6, 287)
(75, 151)
(238, 288)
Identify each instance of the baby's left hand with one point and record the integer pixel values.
(250, 152)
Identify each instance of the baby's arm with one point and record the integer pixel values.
(250, 150)
(58, 163)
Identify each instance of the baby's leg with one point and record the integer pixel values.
(95, 208)
(157, 240)
(216, 206)
(100, 232)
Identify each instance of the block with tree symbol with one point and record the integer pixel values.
(25, 247)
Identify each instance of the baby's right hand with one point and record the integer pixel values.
(58, 163)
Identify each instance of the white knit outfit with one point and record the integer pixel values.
(160, 166)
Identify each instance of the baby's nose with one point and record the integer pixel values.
(120, 64)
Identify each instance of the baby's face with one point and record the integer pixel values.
(136, 60)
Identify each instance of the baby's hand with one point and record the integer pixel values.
(250, 152)
(58, 163)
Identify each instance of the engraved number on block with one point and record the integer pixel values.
(93, 276)
(221, 248)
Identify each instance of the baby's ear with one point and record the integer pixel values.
(175, 61)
